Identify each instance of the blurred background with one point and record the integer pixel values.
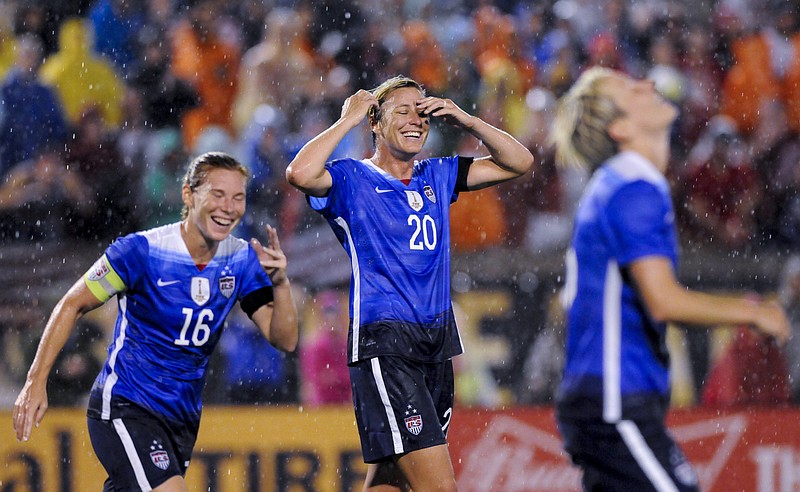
(103, 103)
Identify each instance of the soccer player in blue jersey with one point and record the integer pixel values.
(621, 289)
(175, 285)
(391, 214)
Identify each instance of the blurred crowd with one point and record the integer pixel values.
(103, 102)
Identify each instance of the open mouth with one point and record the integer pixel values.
(222, 222)
(414, 135)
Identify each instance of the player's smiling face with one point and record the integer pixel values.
(401, 127)
(217, 205)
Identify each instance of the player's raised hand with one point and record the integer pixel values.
(445, 109)
(357, 106)
(271, 257)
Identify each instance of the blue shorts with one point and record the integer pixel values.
(627, 455)
(401, 405)
(138, 451)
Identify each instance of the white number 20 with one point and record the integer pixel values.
(201, 331)
(424, 227)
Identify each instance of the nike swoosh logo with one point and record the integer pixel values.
(161, 283)
(381, 191)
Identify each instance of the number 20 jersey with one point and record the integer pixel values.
(170, 318)
(398, 239)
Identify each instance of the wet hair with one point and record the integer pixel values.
(382, 92)
(199, 168)
(580, 130)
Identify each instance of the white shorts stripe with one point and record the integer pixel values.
(133, 457)
(644, 456)
(376, 373)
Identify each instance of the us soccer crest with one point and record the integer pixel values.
(99, 270)
(414, 424)
(226, 285)
(414, 200)
(201, 291)
(160, 458)
(429, 193)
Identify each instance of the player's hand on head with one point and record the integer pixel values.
(445, 109)
(271, 256)
(357, 106)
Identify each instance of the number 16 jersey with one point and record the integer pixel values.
(171, 315)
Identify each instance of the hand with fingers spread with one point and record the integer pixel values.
(445, 109)
(271, 257)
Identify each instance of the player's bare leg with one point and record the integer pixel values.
(423, 470)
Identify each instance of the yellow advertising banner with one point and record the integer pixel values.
(239, 449)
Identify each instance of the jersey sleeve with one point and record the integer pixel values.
(338, 174)
(119, 267)
(641, 222)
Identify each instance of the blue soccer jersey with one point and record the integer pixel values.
(398, 240)
(171, 315)
(616, 356)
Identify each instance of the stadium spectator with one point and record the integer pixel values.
(116, 25)
(32, 118)
(166, 158)
(723, 192)
(751, 370)
(81, 78)
(390, 213)
(253, 372)
(77, 366)
(210, 64)
(703, 78)
(789, 294)
(33, 190)
(7, 42)
(766, 69)
(279, 71)
(166, 98)
(323, 353)
(94, 154)
(621, 288)
(176, 286)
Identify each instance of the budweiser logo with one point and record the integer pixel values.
(513, 456)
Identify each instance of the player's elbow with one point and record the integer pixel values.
(287, 343)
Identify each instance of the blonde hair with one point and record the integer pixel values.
(580, 130)
(199, 168)
(382, 92)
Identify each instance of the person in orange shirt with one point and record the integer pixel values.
(766, 69)
(211, 65)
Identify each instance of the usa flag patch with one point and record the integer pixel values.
(414, 424)
(160, 458)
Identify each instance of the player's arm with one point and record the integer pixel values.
(277, 320)
(667, 300)
(31, 404)
(507, 158)
(307, 170)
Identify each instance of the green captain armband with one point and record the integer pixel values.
(102, 280)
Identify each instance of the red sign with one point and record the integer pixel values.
(519, 450)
